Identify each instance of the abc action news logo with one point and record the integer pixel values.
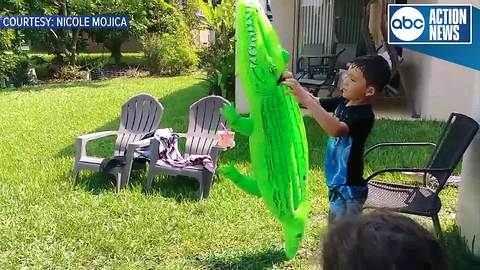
(430, 24)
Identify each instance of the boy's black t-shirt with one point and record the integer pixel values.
(347, 150)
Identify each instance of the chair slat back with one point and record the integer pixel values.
(140, 116)
(456, 136)
(204, 122)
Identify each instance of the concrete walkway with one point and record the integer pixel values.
(387, 108)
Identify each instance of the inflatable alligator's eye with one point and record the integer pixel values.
(300, 235)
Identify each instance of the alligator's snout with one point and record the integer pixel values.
(293, 238)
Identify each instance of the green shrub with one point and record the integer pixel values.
(220, 68)
(169, 54)
(42, 71)
(218, 59)
(9, 63)
(20, 78)
(14, 68)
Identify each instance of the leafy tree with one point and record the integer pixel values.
(146, 16)
(220, 56)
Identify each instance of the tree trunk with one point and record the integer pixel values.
(117, 54)
(73, 50)
(114, 46)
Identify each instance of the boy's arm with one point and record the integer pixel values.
(331, 103)
(330, 124)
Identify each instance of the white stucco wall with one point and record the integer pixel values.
(468, 205)
(437, 86)
(284, 23)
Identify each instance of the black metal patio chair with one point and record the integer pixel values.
(424, 200)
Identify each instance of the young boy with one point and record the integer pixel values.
(348, 128)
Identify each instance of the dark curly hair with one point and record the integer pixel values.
(381, 241)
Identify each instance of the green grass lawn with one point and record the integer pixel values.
(46, 222)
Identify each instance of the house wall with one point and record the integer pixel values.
(468, 213)
(203, 37)
(438, 87)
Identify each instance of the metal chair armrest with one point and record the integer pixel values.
(370, 149)
(418, 170)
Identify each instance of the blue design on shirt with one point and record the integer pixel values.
(338, 152)
(336, 167)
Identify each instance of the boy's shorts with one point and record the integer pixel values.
(346, 200)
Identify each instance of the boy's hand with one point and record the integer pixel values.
(303, 97)
(287, 75)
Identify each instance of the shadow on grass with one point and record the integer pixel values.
(56, 86)
(95, 182)
(258, 261)
(180, 188)
(460, 253)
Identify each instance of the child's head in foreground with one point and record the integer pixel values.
(366, 76)
(381, 241)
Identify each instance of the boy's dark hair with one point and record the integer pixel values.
(381, 241)
(375, 69)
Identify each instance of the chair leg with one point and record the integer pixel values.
(438, 228)
(150, 177)
(200, 188)
(118, 177)
(207, 183)
(127, 169)
(75, 173)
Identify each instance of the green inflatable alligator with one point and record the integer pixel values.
(278, 145)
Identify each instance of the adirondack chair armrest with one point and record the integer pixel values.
(129, 157)
(141, 143)
(131, 147)
(181, 135)
(214, 151)
(96, 135)
(84, 139)
(154, 151)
